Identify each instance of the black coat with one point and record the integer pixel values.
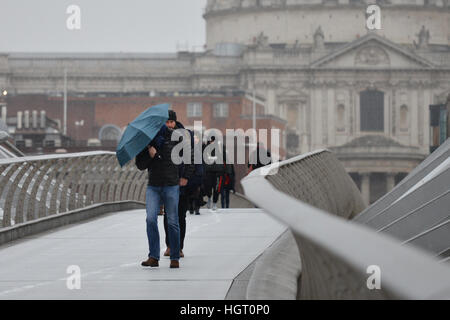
(255, 155)
(161, 170)
(214, 167)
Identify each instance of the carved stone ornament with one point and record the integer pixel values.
(261, 41)
(372, 56)
(424, 38)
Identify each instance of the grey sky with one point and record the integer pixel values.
(106, 25)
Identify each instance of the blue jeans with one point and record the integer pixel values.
(169, 196)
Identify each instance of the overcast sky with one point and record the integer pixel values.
(106, 25)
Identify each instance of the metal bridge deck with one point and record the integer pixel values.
(109, 250)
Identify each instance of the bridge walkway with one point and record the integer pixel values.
(109, 250)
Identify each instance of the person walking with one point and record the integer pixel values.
(187, 172)
(195, 183)
(163, 183)
(226, 182)
(214, 171)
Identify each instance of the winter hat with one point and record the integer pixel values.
(172, 115)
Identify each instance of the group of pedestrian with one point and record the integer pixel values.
(179, 188)
(219, 177)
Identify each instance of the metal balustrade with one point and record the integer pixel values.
(334, 192)
(42, 186)
(314, 196)
(417, 210)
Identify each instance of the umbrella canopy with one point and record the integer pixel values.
(140, 132)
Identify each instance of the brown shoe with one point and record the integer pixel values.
(151, 262)
(174, 264)
(167, 252)
(181, 254)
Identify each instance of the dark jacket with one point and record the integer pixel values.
(255, 154)
(214, 167)
(229, 177)
(161, 170)
(185, 170)
(199, 171)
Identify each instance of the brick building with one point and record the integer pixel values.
(105, 118)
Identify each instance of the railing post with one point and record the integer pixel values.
(59, 186)
(44, 166)
(20, 213)
(9, 200)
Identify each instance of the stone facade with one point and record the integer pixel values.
(325, 79)
(290, 21)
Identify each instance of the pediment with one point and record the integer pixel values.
(372, 52)
(292, 94)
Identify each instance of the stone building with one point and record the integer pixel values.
(364, 94)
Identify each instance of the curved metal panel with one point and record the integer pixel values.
(336, 254)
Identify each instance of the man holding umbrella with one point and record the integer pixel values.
(151, 132)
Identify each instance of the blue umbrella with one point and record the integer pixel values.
(140, 132)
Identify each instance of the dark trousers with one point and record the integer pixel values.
(211, 186)
(183, 205)
(225, 197)
(195, 199)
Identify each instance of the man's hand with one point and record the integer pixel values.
(152, 151)
(183, 182)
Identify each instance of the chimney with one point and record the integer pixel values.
(26, 119)
(43, 119)
(19, 120)
(4, 114)
(34, 119)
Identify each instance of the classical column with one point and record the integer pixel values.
(365, 187)
(414, 118)
(324, 115)
(427, 98)
(317, 121)
(331, 107)
(448, 116)
(303, 134)
(271, 102)
(390, 179)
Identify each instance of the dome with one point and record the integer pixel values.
(295, 21)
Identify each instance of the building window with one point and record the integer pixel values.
(20, 143)
(340, 118)
(194, 109)
(378, 185)
(110, 132)
(292, 140)
(371, 110)
(50, 143)
(220, 110)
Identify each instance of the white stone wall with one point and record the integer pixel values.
(339, 24)
(316, 122)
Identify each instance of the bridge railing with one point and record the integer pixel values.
(41, 186)
(314, 196)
